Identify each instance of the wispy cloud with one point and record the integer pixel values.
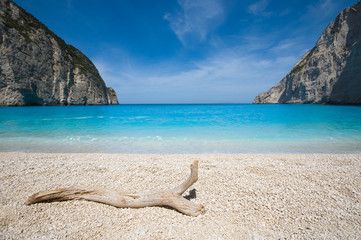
(228, 76)
(259, 8)
(326, 7)
(70, 5)
(230, 73)
(196, 19)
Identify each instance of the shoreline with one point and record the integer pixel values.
(246, 196)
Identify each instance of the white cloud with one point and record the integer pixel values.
(196, 19)
(237, 73)
(227, 76)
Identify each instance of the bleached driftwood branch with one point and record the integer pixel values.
(169, 197)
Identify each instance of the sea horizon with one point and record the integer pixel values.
(182, 128)
(182, 103)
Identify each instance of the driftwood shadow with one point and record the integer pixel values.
(191, 195)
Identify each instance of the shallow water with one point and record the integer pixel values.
(213, 128)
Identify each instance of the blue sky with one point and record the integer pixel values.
(189, 51)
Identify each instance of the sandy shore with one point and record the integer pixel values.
(314, 196)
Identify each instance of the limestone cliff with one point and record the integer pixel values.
(39, 68)
(330, 73)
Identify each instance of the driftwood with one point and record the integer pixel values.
(169, 197)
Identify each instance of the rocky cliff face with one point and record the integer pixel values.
(39, 68)
(330, 73)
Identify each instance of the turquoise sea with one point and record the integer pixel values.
(203, 128)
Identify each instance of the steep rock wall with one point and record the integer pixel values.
(330, 73)
(38, 68)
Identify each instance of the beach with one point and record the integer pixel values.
(246, 196)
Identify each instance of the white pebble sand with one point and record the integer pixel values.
(246, 196)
